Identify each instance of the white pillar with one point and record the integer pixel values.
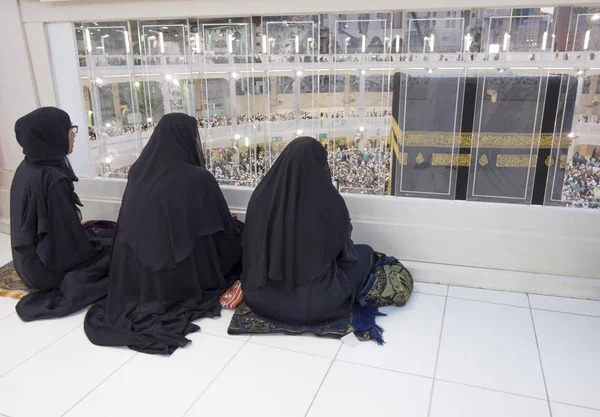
(233, 103)
(361, 99)
(297, 98)
(166, 90)
(37, 42)
(69, 94)
(17, 86)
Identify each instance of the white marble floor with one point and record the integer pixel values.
(451, 352)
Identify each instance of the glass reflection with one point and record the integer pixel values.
(256, 83)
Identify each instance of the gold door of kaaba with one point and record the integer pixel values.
(506, 133)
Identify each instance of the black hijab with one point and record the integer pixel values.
(296, 223)
(171, 200)
(51, 250)
(175, 141)
(44, 136)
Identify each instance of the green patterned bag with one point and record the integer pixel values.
(389, 283)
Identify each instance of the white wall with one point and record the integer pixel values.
(26, 63)
(542, 250)
(536, 239)
(17, 87)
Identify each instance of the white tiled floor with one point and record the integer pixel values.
(450, 352)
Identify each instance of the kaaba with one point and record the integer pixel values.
(493, 137)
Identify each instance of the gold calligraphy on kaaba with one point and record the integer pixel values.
(447, 159)
(502, 161)
(516, 161)
(483, 140)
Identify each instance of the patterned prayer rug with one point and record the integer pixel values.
(10, 284)
(360, 321)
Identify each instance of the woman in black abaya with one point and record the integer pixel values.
(51, 250)
(301, 267)
(176, 250)
(300, 264)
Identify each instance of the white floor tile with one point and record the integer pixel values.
(7, 307)
(565, 305)
(433, 289)
(217, 326)
(455, 400)
(159, 385)
(569, 347)
(411, 335)
(490, 296)
(263, 381)
(54, 380)
(562, 410)
(312, 345)
(357, 390)
(22, 340)
(490, 346)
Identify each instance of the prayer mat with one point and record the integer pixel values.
(11, 285)
(360, 321)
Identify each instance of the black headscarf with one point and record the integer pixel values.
(296, 223)
(51, 250)
(44, 136)
(172, 196)
(175, 141)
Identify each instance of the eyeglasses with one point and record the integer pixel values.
(75, 129)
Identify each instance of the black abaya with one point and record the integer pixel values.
(51, 250)
(176, 250)
(300, 265)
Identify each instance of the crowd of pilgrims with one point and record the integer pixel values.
(115, 128)
(218, 121)
(176, 248)
(120, 61)
(358, 171)
(588, 118)
(582, 181)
